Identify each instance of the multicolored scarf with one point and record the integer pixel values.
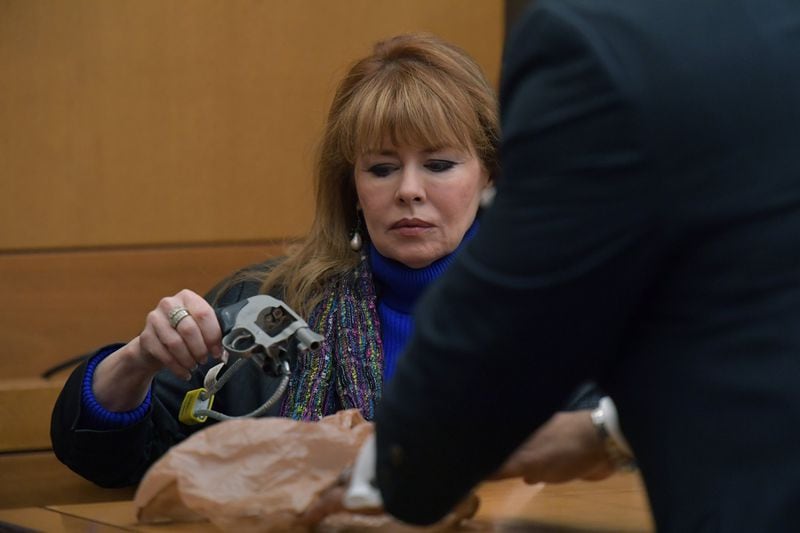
(347, 371)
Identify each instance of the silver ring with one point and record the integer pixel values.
(176, 315)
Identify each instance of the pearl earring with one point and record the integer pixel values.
(487, 196)
(355, 237)
(355, 241)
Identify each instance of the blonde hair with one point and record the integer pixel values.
(414, 89)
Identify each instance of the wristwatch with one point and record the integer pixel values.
(604, 418)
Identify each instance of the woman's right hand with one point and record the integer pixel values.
(182, 348)
(122, 379)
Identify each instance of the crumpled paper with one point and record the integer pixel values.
(250, 474)
(261, 475)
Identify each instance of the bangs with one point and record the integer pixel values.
(408, 109)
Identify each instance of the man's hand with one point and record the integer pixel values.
(567, 447)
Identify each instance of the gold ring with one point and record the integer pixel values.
(176, 315)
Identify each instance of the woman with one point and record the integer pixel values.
(408, 149)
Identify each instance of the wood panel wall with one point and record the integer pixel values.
(152, 145)
(157, 124)
(166, 121)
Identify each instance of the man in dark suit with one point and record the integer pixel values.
(645, 234)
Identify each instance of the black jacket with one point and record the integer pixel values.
(646, 233)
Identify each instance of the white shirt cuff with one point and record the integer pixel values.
(362, 492)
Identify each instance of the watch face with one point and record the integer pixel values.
(599, 421)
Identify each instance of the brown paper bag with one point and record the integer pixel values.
(250, 474)
(262, 474)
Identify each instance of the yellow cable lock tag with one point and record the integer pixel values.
(195, 400)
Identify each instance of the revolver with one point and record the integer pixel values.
(262, 328)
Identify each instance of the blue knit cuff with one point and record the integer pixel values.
(94, 415)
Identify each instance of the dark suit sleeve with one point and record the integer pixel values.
(540, 299)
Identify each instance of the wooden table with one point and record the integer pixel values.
(617, 504)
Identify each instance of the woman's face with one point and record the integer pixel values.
(418, 203)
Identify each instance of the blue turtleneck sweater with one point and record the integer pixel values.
(399, 287)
